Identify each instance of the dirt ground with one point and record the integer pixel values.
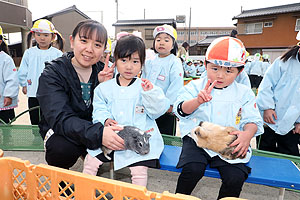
(22, 106)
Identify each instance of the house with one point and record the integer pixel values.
(15, 18)
(65, 21)
(270, 30)
(201, 46)
(145, 26)
(199, 33)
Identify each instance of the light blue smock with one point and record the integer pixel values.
(166, 73)
(247, 67)
(280, 90)
(242, 78)
(200, 69)
(132, 106)
(32, 65)
(256, 68)
(191, 70)
(265, 66)
(9, 84)
(223, 109)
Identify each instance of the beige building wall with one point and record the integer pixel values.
(199, 33)
(147, 32)
(65, 24)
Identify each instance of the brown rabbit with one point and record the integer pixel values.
(216, 138)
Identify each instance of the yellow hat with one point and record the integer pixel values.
(43, 26)
(165, 29)
(108, 46)
(3, 36)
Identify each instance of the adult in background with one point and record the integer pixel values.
(183, 51)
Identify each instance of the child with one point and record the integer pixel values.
(256, 71)
(9, 84)
(33, 61)
(128, 100)
(165, 71)
(278, 101)
(219, 99)
(65, 92)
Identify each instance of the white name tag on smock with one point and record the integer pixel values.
(160, 77)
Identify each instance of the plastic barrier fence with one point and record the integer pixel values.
(21, 180)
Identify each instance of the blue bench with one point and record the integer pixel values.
(275, 172)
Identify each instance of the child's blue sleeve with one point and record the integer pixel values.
(176, 81)
(23, 70)
(155, 102)
(250, 113)
(100, 107)
(265, 96)
(11, 88)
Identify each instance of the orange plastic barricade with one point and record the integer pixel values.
(21, 180)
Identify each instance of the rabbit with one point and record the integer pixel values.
(216, 138)
(134, 139)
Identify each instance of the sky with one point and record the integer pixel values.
(208, 13)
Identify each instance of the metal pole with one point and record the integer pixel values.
(189, 36)
(117, 9)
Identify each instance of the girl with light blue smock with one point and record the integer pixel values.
(218, 99)
(129, 101)
(278, 101)
(9, 84)
(255, 71)
(33, 61)
(165, 71)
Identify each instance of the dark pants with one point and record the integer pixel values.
(7, 115)
(233, 179)
(167, 124)
(60, 152)
(271, 141)
(34, 114)
(255, 80)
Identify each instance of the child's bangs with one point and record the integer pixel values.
(88, 31)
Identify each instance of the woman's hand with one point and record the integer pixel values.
(110, 122)
(269, 116)
(107, 73)
(146, 85)
(7, 101)
(111, 139)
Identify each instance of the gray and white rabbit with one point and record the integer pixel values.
(134, 139)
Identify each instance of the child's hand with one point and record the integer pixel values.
(242, 143)
(269, 116)
(110, 122)
(146, 85)
(7, 101)
(24, 90)
(107, 73)
(297, 128)
(110, 138)
(204, 95)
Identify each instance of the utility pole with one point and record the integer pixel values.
(144, 13)
(189, 36)
(117, 9)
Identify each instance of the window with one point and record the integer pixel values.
(127, 30)
(149, 34)
(253, 28)
(297, 28)
(268, 24)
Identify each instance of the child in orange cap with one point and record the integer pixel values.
(219, 99)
